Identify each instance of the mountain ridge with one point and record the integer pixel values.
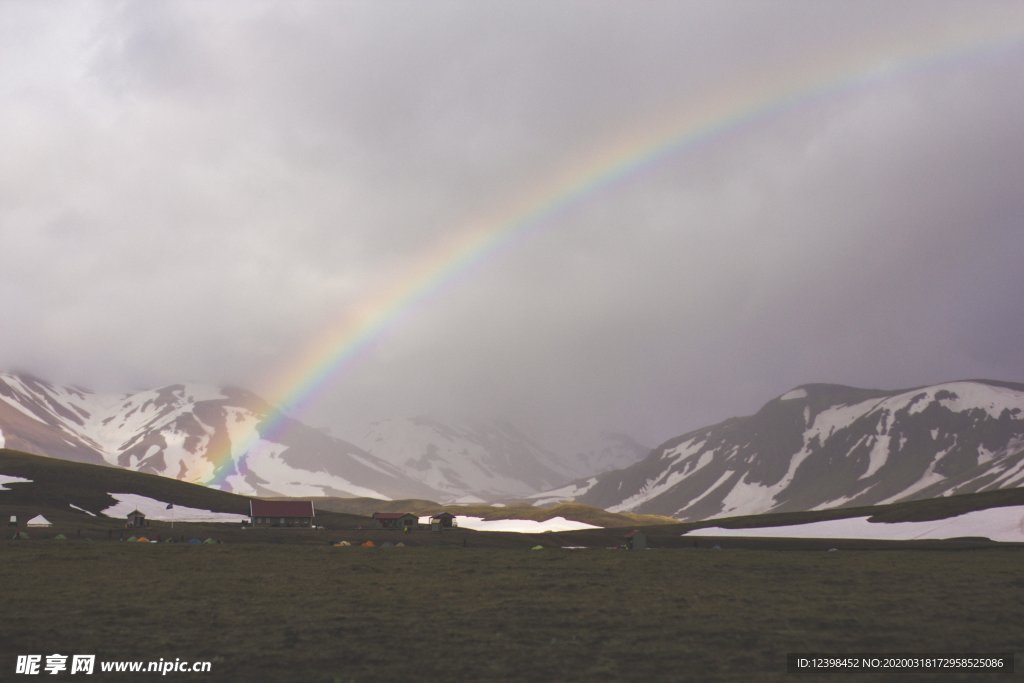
(827, 445)
(235, 440)
(195, 433)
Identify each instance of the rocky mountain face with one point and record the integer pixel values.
(221, 436)
(820, 446)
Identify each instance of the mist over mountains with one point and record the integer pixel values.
(220, 436)
(489, 460)
(817, 446)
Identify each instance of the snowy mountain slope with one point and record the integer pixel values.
(482, 460)
(820, 446)
(40, 418)
(186, 431)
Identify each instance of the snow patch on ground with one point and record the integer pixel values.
(747, 498)
(799, 392)
(684, 450)
(520, 526)
(994, 400)
(157, 509)
(14, 403)
(1011, 476)
(2, 438)
(969, 396)
(652, 489)
(264, 459)
(878, 456)
(7, 479)
(708, 492)
(75, 507)
(929, 477)
(998, 524)
(839, 417)
(693, 465)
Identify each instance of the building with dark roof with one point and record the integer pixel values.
(281, 513)
(136, 520)
(396, 520)
(442, 520)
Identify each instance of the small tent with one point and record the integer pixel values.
(39, 521)
(142, 539)
(60, 537)
(131, 539)
(537, 547)
(369, 544)
(209, 541)
(342, 544)
(195, 541)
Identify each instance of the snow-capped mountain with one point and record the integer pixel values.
(220, 436)
(820, 446)
(472, 460)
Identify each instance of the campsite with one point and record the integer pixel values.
(348, 599)
(495, 610)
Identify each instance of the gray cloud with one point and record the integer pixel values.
(195, 191)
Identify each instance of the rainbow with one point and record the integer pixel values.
(743, 105)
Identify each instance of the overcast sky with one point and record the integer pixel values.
(193, 191)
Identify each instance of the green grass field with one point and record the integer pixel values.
(283, 612)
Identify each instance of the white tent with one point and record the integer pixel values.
(38, 521)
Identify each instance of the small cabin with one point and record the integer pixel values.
(442, 520)
(396, 520)
(281, 513)
(136, 520)
(636, 540)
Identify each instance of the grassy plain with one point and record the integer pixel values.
(283, 612)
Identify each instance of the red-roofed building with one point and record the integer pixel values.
(396, 520)
(281, 513)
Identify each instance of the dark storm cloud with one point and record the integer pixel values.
(194, 191)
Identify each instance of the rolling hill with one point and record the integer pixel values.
(77, 495)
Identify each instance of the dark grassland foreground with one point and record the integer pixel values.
(266, 612)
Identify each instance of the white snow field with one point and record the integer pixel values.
(8, 479)
(157, 509)
(997, 524)
(522, 526)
